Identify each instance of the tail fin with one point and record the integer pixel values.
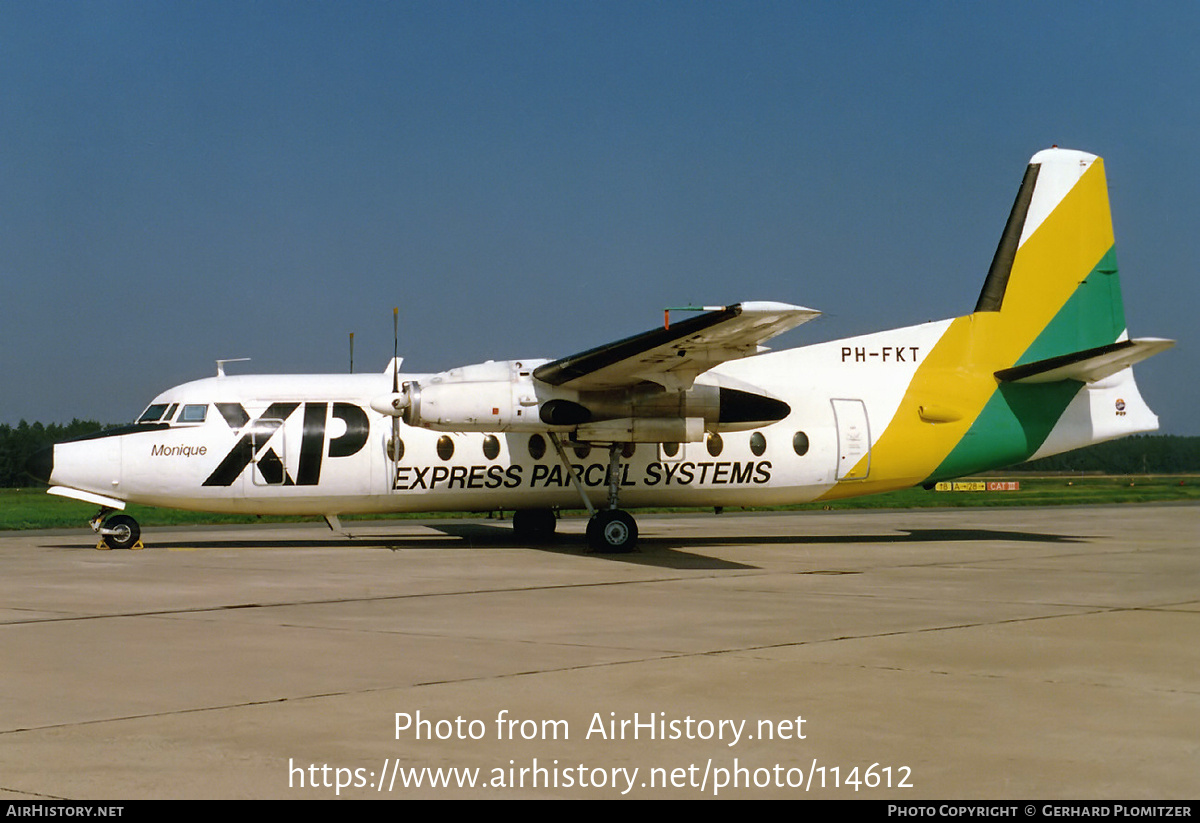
(1049, 322)
(1054, 278)
(1042, 364)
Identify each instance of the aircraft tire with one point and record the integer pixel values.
(612, 532)
(127, 531)
(534, 524)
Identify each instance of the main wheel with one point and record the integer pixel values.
(612, 531)
(534, 524)
(125, 531)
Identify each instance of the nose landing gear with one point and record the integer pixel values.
(117, 532)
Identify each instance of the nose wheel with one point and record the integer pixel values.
(117, 532)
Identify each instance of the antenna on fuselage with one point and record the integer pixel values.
(221, 364)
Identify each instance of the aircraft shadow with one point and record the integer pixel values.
(663, 552)
(674, 552)
(666, 553)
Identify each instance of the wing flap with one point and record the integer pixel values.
(674, 356)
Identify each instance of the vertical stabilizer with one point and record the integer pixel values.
(1057, 291)
(1041, 364)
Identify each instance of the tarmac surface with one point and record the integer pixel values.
(971, 653)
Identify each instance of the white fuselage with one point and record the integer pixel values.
(312, 444)
(280, 444)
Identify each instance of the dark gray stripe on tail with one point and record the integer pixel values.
(997, 278)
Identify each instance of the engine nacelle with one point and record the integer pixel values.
(504, 396)
(643, 430)
(494, 396)
(493, 405)
(719, 407)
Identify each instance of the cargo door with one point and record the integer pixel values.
(854, 439)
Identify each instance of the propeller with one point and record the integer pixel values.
(394, 447)
(399, 400)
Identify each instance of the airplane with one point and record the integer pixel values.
(694, 414)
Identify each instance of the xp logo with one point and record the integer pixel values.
(254, 446)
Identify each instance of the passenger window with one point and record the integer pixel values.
(758, 444)
(800, 443)
(715, 444)
(445, 447)
(395, 449)
(491, 447)
(537, 446)
(194, 413)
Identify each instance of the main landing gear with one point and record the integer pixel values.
(612, 531)
(536, 525)
(117, 532)
(609, 531)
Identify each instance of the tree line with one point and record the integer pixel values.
(1142, 454)
(18, 442)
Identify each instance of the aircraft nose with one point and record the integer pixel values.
(40, 464)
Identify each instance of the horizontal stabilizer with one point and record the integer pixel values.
(1086, 366)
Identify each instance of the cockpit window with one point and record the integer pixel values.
(153, 414)
(194, 413)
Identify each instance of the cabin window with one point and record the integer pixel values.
(715, 444)
(395, 448)
(537, 446)
(491, 447)
(628, 449)
(194, 413)
(670, 449)
(582, 451)
(758, 444)
(800, 443)
(445, 447)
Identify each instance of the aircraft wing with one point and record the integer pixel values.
(675, 355)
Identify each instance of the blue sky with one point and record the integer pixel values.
(181, 182)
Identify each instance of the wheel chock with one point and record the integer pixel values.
(104, 547)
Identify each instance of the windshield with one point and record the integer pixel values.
(153, 414)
